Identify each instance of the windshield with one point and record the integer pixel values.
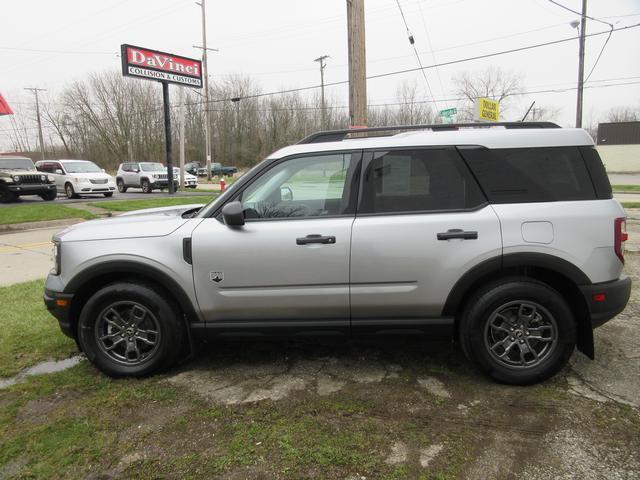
(81, 167)
(16, 164)
(152, 167)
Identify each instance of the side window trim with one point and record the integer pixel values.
(353, 175)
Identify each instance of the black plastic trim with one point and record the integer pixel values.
(61, 314)
(617, 295)
(187, 253)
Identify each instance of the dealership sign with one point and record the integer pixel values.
(160, 66)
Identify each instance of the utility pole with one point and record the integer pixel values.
(357, 64)
(205, 73)
(35, 92)
(323, 107)
(583, 30)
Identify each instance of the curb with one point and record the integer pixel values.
(21, 227)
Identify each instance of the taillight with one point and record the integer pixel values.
(619, 237)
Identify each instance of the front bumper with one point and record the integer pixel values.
(31, 189)
(606, 300)
(162, 183)
(59, 305)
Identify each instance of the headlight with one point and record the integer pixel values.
(16, 179)
(56, 259)
(43, 178)
(155, 176)
(52, 178)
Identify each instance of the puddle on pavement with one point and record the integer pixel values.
(42, 369)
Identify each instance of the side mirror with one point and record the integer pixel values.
(136, 170)
(59, 172)
(286, 194)
(232, 214)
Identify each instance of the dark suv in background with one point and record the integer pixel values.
(18, 176)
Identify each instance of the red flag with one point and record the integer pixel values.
(5, 109)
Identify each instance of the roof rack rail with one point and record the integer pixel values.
(339, 135)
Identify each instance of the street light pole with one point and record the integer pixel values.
(35, 91)
(323, 107)
(583, 30)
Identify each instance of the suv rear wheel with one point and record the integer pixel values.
(128, 329)
(518, 331)
(121, 187)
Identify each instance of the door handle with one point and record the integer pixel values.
(458, 233)
(315, 238)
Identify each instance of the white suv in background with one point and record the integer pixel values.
(148, 176)
(78, 177)
(190, 181)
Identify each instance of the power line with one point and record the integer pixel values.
(61, 52)
(415, 51)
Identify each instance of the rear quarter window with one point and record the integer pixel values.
(522, 175)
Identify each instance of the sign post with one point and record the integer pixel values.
(166, 68)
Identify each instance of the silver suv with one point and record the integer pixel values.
(506, 239)
(148, 176)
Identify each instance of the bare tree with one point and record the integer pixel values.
(624, 114)
(493, 82)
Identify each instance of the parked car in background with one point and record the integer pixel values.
(217, 169)
(78, 177)
(190, 181)
(192, 167)
(148, 176)
(18, 177)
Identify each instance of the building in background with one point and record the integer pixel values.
(619, 146)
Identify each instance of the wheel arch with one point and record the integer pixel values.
(556, 272)
(86, 283)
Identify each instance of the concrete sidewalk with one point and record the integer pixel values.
(26, 255)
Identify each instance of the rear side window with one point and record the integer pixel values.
(597, 172)
(404, 181)
(519, 175)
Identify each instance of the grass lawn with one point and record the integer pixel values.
(29, 333)
(35, 213)
(631, 204)
(129, 205)
(626, 188)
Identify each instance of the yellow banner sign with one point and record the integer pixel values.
(487, 110)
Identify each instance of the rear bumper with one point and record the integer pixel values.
(59, 305)
(606, 300)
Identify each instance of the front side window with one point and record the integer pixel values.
(311, 186)
(403, 181)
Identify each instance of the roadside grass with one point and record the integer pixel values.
(36, 213)
(625, 188)
(29, 333)
(631, 204)
(130, 205)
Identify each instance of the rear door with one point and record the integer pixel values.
(290, 261)
(422, 223)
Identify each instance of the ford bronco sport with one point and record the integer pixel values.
(505, 238)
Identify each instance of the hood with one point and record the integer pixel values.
(10, 172)
(151, 222)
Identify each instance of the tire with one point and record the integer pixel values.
(109, 194)
(113, 352)
(121, 186)
(511, 351)
(68, 190)
(6, 196)
(146, 186)
(50, 195)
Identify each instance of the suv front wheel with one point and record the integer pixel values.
(518, 331)
(128, 329)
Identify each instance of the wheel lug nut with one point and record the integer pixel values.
(521, 341)
(511, 329)
(513, 338)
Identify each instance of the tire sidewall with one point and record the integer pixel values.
(69, 191)
(477, 316)
(146, 186)
(120, 185)
(168, 321)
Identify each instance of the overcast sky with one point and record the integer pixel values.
(49, 44)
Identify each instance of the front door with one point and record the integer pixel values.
(290, 261)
